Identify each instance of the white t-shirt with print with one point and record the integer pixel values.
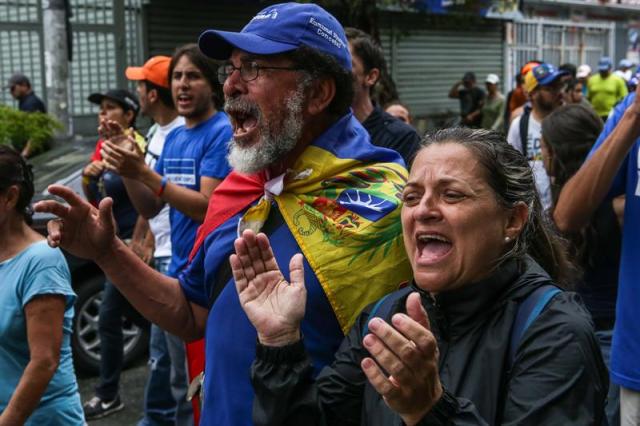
(534, 155)
(160, 224)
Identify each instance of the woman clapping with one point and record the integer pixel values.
(483, 335)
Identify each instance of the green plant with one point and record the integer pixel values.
(18, 127)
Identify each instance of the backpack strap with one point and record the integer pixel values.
(524, 130)
(383, 307)
(528, 311)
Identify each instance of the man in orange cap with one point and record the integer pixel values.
(191, 165)
(165, 392)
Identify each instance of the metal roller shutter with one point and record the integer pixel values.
(173, 23)
(426, 62)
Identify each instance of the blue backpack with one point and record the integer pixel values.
(528, 311)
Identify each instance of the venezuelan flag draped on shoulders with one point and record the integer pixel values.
(341, 202)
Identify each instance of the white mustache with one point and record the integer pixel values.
(242, 106)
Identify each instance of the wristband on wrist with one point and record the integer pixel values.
(163, 183)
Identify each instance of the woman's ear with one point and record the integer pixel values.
(516, 220)
(321, 93)
(12, 194)
(129, 116)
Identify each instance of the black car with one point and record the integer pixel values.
(63, 165)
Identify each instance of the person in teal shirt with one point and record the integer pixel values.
(37, 380)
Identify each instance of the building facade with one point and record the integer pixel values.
(107, 35)
(428, 44)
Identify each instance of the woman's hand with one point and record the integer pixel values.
(408, 352)
(274, 307)
(110, 130)
(125, 159)
(93, 169)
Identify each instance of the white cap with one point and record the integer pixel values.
(584, 70)
(492, 78)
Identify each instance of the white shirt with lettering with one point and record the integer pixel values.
(534, 155)
(160, 224)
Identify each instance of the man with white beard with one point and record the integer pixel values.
(305, 173)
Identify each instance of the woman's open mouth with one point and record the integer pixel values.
(432, 248)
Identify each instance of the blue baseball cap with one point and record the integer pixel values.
(605, 63)
(542, 75)
(282, 28)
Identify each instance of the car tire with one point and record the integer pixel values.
(85, 341)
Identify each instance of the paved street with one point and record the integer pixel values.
(131, 391)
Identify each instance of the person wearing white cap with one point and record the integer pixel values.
(582, 75)
(624, 69)
(493, 108)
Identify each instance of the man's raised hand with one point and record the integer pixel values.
(274, 306)
(81, 229)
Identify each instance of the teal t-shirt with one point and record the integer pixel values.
(37, 270)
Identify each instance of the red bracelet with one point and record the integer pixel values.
(163, 183)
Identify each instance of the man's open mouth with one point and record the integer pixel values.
(245, 117)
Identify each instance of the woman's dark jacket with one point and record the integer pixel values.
(558, 376)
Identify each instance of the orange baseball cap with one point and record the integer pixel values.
(155, 70)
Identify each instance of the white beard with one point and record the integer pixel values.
(273, 144)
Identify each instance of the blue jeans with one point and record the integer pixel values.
(165, 394)
(612, 410)
(111, 341)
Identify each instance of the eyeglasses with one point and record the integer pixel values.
(248, 70)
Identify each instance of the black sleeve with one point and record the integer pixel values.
(558, 377)
(452, 411)
(557, 368)
(287, 394)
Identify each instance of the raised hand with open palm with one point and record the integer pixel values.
(274, 306)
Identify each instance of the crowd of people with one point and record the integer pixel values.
(492, 110)
(306, 257)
